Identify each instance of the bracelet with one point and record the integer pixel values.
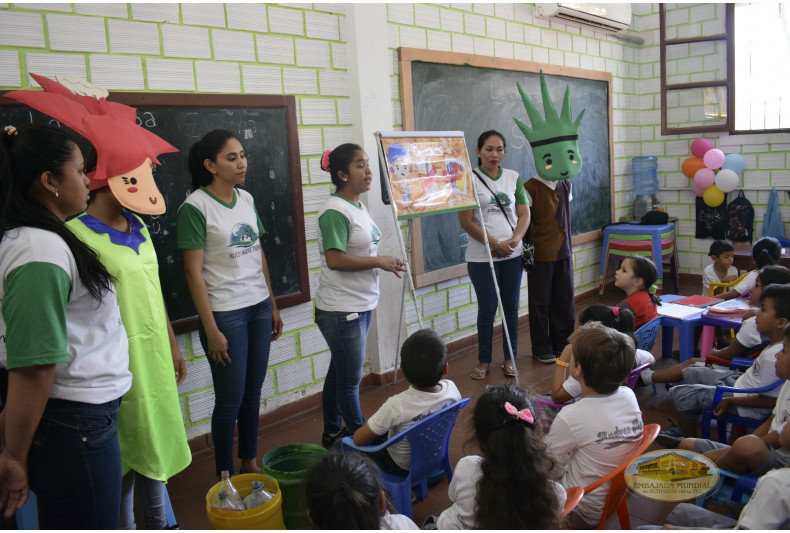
(562, 363)
(495, 246)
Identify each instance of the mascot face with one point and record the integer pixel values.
(137, 191)
(554, 139)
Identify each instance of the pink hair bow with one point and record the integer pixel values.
(616, 311)
(524, 414)
(325, 161)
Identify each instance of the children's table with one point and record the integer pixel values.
(709, 323)
(654, 241)
(685, 327)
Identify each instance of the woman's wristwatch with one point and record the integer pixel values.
(493, 248)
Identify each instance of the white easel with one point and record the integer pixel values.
(405, 256)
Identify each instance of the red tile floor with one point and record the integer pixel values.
(187, 490)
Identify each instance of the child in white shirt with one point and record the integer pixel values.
(595, 434)
(721, 270)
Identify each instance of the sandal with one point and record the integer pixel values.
(479, 373)
(508, 370)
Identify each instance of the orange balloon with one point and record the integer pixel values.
(691, 166)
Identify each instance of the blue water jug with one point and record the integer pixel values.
(645, 177)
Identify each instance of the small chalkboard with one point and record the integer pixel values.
(267, 128)
(444, 91)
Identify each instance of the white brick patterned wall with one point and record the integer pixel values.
(9, 68)
(21, 29)
(233, 45)
(103, 10)
(117, 73)
(300, 81)
(50, 64)
(71, 33)
(133, 37)
(170, 75)
(259, 79)
(213, 77)
(156, 12)
(289, 21)
(203, 14)
(283, 349)
(250, 17)
(182, 41)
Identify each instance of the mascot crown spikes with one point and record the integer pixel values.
(553, 128)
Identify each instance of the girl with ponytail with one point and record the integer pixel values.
(512, 486)
(767, 251)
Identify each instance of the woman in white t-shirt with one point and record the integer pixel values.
(228, 277)
(505, 227)
(348, 289)
(63, 341)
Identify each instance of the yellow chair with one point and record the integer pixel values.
(716, 284)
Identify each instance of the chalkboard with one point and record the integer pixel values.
(448, 91)
(266, 126)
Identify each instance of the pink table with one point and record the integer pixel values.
(709, 323)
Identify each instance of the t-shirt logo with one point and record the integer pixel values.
(503, 198)
(375, 234)
(242, 235)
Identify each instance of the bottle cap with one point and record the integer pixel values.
(256, 485)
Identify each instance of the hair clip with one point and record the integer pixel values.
(652, 290)
(523, 414)
(325, 161)
(10, 130)
(616, 312)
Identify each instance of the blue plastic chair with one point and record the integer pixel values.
(727, 418)
(429, 440)
(647, 334)
(27, 516)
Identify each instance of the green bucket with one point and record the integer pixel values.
(287, 465)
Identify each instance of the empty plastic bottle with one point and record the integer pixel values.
(226, 503)
(258, 496)
(226, 486)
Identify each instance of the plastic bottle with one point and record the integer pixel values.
(258, 496)
(226, 486)
(226, 503)
(645, 176)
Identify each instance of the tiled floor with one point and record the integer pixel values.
(187, 490)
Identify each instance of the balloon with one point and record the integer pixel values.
(691, 166)
(704, 178)
(713, 158)
(700, 146)
(697, 189)
(713, 196)
(727, 180)
(734, 162)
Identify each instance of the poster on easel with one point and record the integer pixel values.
(429, 172)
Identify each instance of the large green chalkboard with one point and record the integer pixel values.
(266, 126)
(474, 94)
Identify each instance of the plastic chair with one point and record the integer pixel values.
(632, 378)
(727, 418)
(615, 499)
(27, 516)
(647, 334)
(716, 284)
(429, 440)
(540, 403)
(572, 497)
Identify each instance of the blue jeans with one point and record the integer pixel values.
(508, 276)
(346, 340)
(74, 466)
(152, 493)
(237, 385)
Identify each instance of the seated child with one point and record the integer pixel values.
(564, 387)
(767, 509)
(343, 491)
(595, 434)
(747, 340)
(766, 251)
(424, 362)
(512, 485)
(698, 392)
(637, 277)
(769, 446)
(721, 270)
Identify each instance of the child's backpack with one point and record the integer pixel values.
(711, 222)
(740, 219)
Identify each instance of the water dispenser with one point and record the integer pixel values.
(645, 184)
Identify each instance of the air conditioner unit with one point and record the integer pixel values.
(607, 17)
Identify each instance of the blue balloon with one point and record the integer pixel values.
(734, 162)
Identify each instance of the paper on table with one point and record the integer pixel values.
(678, 311)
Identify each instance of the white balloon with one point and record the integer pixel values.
(727, 180)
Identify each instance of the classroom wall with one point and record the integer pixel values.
(308, 50)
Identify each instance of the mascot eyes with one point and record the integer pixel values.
(572, 157)
(548, 161)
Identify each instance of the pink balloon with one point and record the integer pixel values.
(713, 158)
(704, 178)
(696, 189)
(700, 146)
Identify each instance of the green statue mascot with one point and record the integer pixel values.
(555, 147)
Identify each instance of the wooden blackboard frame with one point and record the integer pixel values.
(286, 102)
(409, 55)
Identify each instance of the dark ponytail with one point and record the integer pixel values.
(520, 493)
(207, 148)
(343, 491)
(766, 251)
(339, 160)
(26, 155)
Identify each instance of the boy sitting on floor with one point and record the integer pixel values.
(424, 362)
